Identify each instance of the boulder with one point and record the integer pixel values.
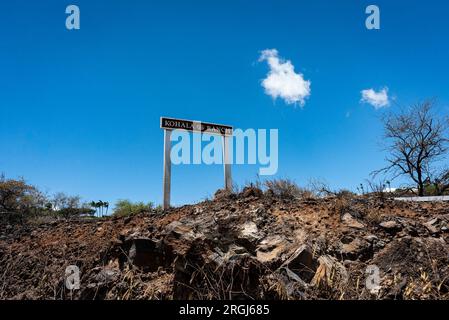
(234, 253)
(390, 226)
(249, 236)
(270, 250)
(181, 231)
(371, 238)
(249, 230)
(148, 254)
(351, 222)
(433, 225)
(330, 273)
(356, 249)
(301, 263)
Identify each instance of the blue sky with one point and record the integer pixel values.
(79, 110)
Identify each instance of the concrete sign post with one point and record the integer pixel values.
(227, 164)
(167, 167)
(170, 124)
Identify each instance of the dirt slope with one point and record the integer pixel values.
(246, 246)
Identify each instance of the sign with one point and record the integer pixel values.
(196, 126)
(170, 124)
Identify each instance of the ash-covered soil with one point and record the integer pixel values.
(246, 246)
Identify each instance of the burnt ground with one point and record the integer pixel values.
(246, 246)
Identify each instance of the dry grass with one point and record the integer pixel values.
(287, 189)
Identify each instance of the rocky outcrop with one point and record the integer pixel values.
(245, 246)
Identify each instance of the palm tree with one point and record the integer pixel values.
(93, 204)
(106, 204)
(100, 205)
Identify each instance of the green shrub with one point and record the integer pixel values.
(127, 208)
(18, 197)
(20, 202)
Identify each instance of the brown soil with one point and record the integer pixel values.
(246, 246)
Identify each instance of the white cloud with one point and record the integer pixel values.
(282, 81)
(376, 99)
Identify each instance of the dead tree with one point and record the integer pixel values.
(416, 141)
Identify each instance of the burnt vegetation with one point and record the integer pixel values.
(255, 244)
